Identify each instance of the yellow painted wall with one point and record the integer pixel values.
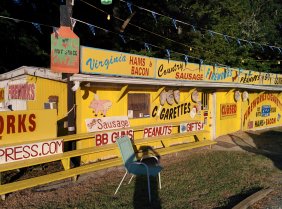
(227, 124)
(119, 107)
(45, 88)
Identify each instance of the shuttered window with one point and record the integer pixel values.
(138, 105)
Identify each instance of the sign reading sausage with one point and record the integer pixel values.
(107, 123)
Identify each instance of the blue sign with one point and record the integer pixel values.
(265, 110)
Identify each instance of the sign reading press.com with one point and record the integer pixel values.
(29, 151)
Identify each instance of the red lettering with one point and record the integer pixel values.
(16, 151)
(25, 150)
(32, 122)
(21, 123)
(1, 124)
(98, 139)
(8, 155)
(34, 149)
(11, 124)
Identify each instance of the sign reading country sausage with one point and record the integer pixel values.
(29, 151)
(178, 70)
(100, 61)
(23, 126)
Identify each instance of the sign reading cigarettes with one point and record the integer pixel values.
(28, 151)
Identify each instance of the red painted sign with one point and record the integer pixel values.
(110, 137)
(228, 110)
(157, 131)
(24, 91)
(192, 126)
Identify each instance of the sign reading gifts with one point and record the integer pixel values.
(178, 70)
(191, 126)
(28, 151)
(100, 61)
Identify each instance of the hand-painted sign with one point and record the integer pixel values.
(249, 77)
(218, 74)
(178, 70)
(110, 137)
(228, 110)
(171, 112)
(157, 131)
(100, 61)
(28, 151)
(21, 126)
(25, 91)
(64, 51)
(107, 123)
(191, 126)
(262, 111)
(2, 94)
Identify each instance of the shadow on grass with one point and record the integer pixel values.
(234, 200)
(140, 197)
(268, 144)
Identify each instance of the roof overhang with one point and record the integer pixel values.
(157, 82)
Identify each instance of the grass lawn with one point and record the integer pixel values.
(201, 179)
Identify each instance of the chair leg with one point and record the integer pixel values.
(149, 187)
(160, 183)
(131, 179)
(120, 182)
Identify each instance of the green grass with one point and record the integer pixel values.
(205, 179)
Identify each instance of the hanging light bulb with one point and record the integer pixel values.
(108, 17)
(106, 2)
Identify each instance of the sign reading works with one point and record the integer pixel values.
(100, 61)
(23, 126)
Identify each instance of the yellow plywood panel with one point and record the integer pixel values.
(170, 69)
(100, 61)
(45, 89)
(261, 111)
(23, 126)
